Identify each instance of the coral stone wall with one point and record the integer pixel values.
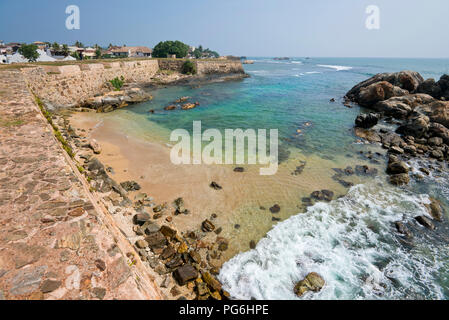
(73, 84)
(204, 67)
(171, 64)
(210, 67)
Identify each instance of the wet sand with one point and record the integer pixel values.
(242, 206)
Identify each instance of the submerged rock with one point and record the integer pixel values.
(215, 186)
(130, 186)
(402, 229)
(323, 195)
(275, 209)
(208, 226)
(400, 179)
(435, 209)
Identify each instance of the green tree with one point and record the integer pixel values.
(65, 50)
(76, 55)
(56, 46)
(197, 53)
(79, 44)
(164, 48)
(98, 53)
(29, 51)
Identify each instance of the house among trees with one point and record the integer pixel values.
(131, 52)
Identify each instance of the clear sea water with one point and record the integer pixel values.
(352, 241)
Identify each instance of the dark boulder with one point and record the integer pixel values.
(426, 222)
(400, 179)
(397, 167)
(438, 130)
(215, 186)
(141, 218)
(156, 240)
(275, 209)
(417, 126)
(207, 226)
(367, 121)
(431, 88)
(130, 186)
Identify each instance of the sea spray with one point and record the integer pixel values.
(352, 243)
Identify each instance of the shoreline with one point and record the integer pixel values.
(242, 207)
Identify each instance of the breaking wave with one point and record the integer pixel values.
(351, 243)
(338, 68)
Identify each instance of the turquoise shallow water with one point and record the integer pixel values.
(351, 242)
(285, 95)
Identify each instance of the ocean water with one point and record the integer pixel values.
(351, 241)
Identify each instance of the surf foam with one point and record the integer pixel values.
(338, 68)
(351, 242)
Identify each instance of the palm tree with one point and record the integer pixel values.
(65, 50)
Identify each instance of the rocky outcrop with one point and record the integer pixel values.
(407, 80)
(312, 282)
(422, 112)
(117, 99)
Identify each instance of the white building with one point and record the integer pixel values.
(18, 58)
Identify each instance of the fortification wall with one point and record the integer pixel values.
(211, 67)
(73, 84)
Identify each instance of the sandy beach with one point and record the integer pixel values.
(242, 206)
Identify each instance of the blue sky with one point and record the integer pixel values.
(327, 28)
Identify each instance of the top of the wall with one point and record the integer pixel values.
(98, 61)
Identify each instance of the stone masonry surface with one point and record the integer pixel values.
(56, 241)
(72, 85)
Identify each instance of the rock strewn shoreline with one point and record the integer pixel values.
(420, 111)
(184, 261)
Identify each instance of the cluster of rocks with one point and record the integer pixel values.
(113, 100)
(418, 108)
(320, 195)
(435, 214)
(183, 104)
(180, 258)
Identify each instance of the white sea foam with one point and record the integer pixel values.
(313, 72)
(338, 68)
(351, 242)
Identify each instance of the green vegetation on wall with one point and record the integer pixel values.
(117, 83)
(189, 68)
